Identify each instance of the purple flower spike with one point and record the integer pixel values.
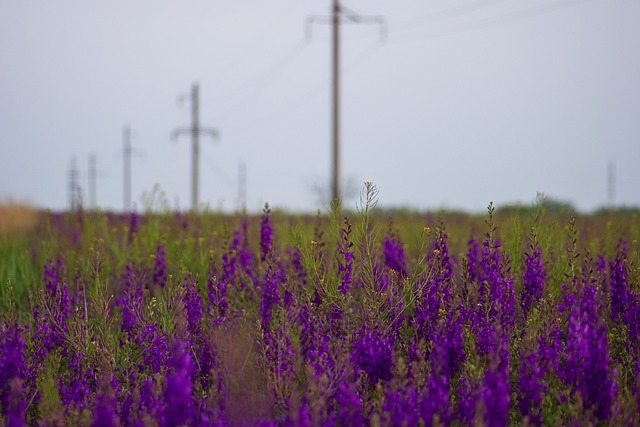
(372, 353)
(531, 386)
(587, 362)
(349, 405)
(533, 285)
(345, 249)
(266, 232)
(472, 258)
(160, 268)
(495, 388)
(618, 283)
(179, 408)
(193, 305)
(104, 414)
(270, 298)
(16, 404)
(394, 257)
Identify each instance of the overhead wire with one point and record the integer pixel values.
(263, 80)
(259, 38)
(303, 98)
(494, 21)
(213, 166)
(269, 76)
(443, 15)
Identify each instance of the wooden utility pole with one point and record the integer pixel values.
(195, 130)
(335, 73)
(339, 16)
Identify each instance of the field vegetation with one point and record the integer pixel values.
(521, 316)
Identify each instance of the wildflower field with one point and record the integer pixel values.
(348, 318)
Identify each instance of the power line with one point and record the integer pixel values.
(259, 38)
(506, 18)
(443, 15)
(262, 81)
(253, 125)
(213, 166)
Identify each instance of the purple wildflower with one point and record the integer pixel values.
(349, 407)
(75, 389)
(436, 399)
(533, 282)
(472, 258)
(16, 405)
(586, 367)
(298, 268)
(154, 347)
(401, 406)
(444, 262)
(181, 220)
(57, 298)
(496, 292)
(12, 366)
(618, 285)
(131, 301)
(159, 275)
(451, 340)
(104, 413)
(266, 232)
(179, 408)
(193, 305)
(468, 394)
(245, 256)
(495, 388)
(372, 353)
(270, 298)
(394, 257)
(133, 226)
(345, 248)
(531, 386)
(217, 293)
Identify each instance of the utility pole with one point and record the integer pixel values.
(339, 15)
(242, 186)
(127, 153)
(195, 130)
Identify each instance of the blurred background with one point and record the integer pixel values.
(462, 103)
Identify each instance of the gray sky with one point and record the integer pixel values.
(467, 102)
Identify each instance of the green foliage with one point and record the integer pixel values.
(96, 247)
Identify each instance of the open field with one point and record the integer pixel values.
(517, 317)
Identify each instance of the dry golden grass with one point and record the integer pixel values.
(16, 218)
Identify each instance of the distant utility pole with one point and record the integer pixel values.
(195, 130)
(127, 153)
(339, 15)
(242, 186)
(74, 199)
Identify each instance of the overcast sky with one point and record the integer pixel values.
(467, 101)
